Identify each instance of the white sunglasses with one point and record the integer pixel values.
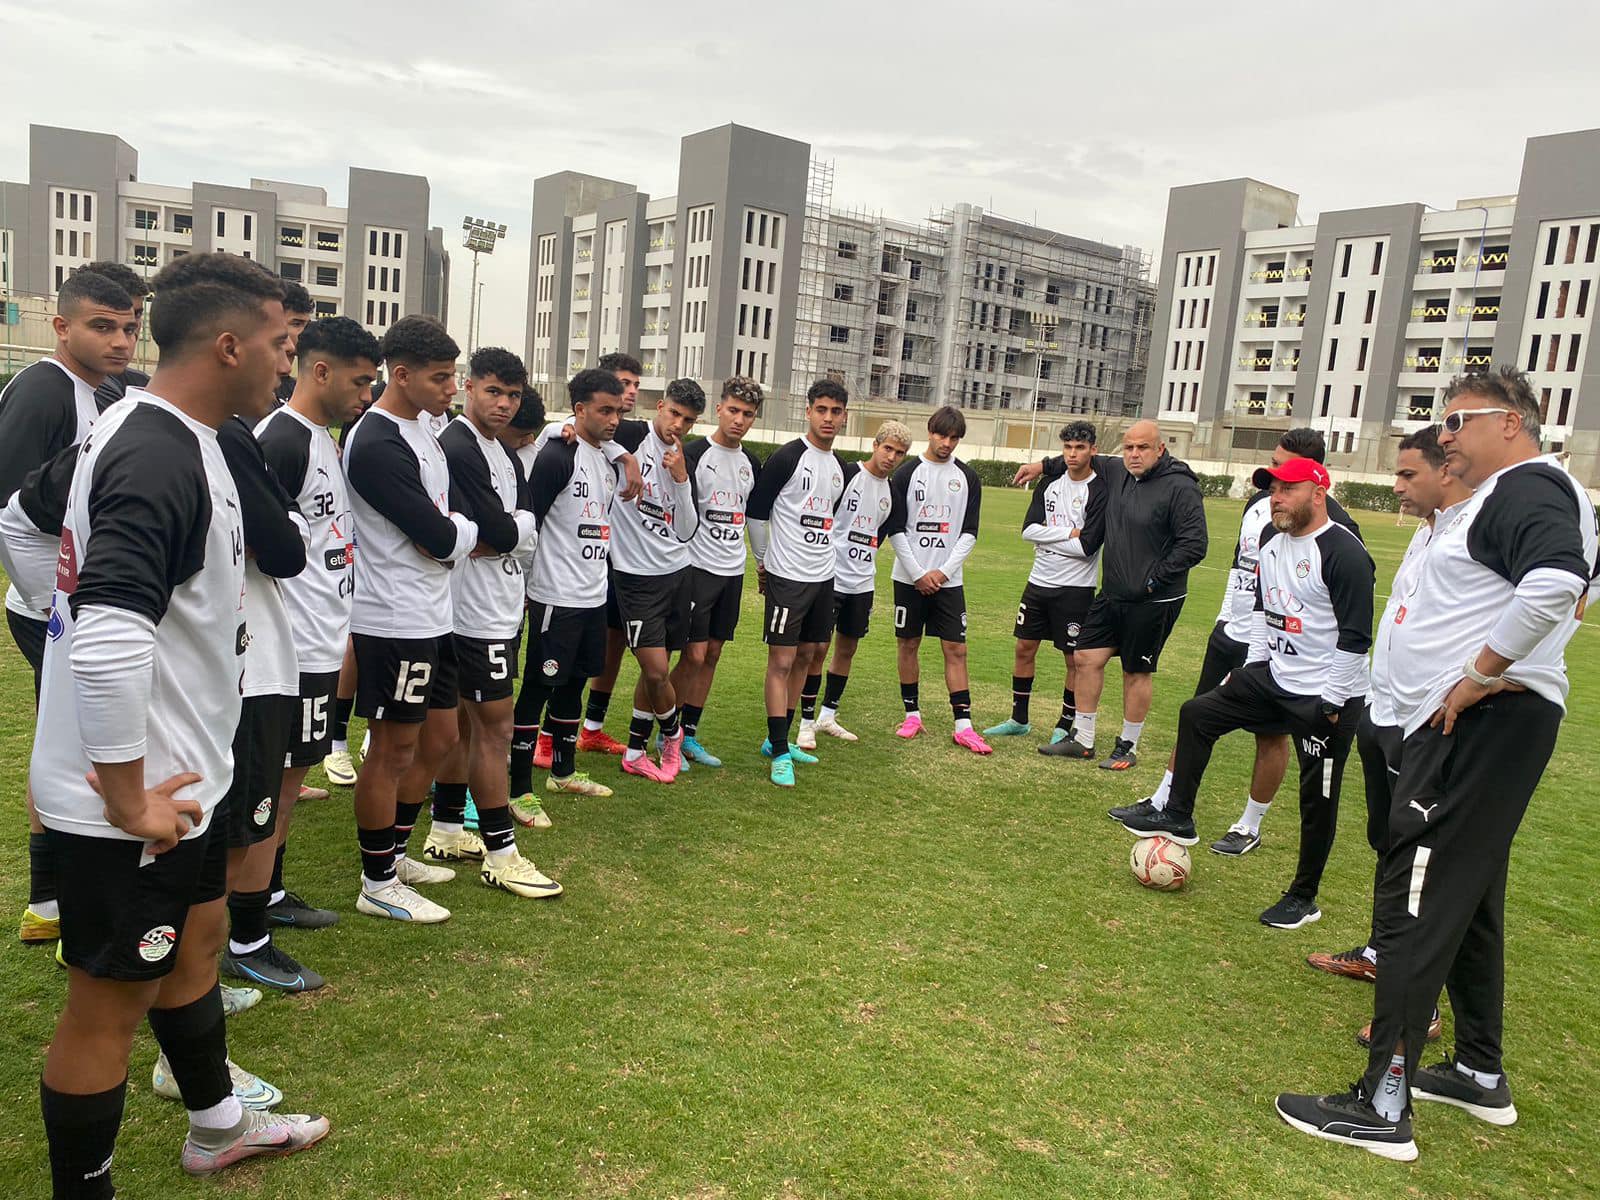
(1454, 421)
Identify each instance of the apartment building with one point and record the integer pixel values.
(1355, 324)
(375, 259)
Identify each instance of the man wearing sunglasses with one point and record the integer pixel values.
(1478, 682)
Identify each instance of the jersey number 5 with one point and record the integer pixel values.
(411, 682)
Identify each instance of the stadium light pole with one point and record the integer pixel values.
(480, 237)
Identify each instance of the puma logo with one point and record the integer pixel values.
(1424, 811)
(1145, 657)
(1314, 746)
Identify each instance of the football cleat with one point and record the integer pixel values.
(910, 727)
(968, 739)
(645, 769)
(528, 812)
(251, 1090)
(411, 871)
(339, 768)
(577, 784)
(543, 752)
(831, 727)
(263, 1133)
(808, 735)
(452, 846)
(398, 902)
(34, 929)
(596, 741)
(1008, 728)
(519, 877)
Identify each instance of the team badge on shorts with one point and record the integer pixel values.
(158, 943)
(263, 812)
(1073, 629)
(551, 666)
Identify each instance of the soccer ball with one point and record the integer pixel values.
(1160, 863)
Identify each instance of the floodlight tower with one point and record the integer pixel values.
(480, 237)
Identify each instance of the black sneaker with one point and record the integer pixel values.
(1350, 1119)
(271, 967)
(1236, 842)
(1122, 757)
(1291, 912)
(1068, 747)
(292, 910)
(1132, 812)
(1446, 1085)
(1153, 822)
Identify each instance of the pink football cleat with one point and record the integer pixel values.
(645, 769)
(910, 727)
(970, 739)
(672, 755)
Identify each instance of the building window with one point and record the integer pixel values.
(847, 250)
(1327, 397)
(1211, 276)
(843, 291)
(327, 309)
(222, 224)
(328, 239)
(327, 276)
(290, 271)
(145, 218)
(1344, 263)
(1052, 293)
(1377, 259)
(1361, 355)
(247, 227)
(1338, 309)
(1372, 304)
(838, 335)
(1333, 352)
(1355, 401)
(289, 235)
(397, 253)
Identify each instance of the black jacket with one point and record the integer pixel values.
(1155, 527)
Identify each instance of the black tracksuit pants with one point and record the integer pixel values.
(1249, 698)
(1441, 896)
(1379, 748)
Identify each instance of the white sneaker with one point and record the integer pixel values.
(237, 999)
(251, 1090)
(339, 768)
(519, 877)
(452, 846)
(366, 741)
(831, 727)
(400, 903)
(808, 735)
(412, 872)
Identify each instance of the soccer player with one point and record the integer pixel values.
(1479, 684)
(933, 526)
(115, 385)
(571, 492)
(1066, 522)
(1427, 490)
(650, 571)
(401, 619)
(790, 516)
(863, 510)
(487, 486)
(297, 310)
(338, 361)
(1155, 533)
(1229, 644)
(1307, 673)
(724, 475)
(138, 709)
(46, 408)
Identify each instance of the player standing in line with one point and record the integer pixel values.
(1066, 522)
(487, 486)
(338, 361)
(138, 708)
(1501, 590)
(406, 672)
(572, 490)
(933, 526)
(1155, 533)
(115, 385)
(790, 515)
(46, 408)
(863, 510)
(1307, 674)
(650, 571)
(1229, 645)
(724, 474)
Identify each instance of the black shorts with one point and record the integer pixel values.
(401, 679)
(1136, 629)
(249, 810)
(852, 612)
(797, 612)
(1223, 655)
(655, 608)
(123, 921)
(716, 606)
(613, 606)
(312, 736)
(1053, 614)
(29, 636)
(943, 614)
(565, 644)
(487, 670)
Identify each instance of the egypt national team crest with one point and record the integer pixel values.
(263, 812)
(551, 666)
(156, 944)
(744, 476)
(1302, 568)
(954, 485)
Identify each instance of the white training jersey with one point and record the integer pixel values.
(487, 486)
(1380, 701)
(1059, 507)
(1315, 591)
(165, 546)
(571, 494)
(933, 521)
(407, 536)
(650, 534)
(1524, 543)
(305, 459)
(723, 481)
(1239, 601)
(797, 495)
(863, 509)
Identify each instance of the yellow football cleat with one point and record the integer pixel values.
(35, 929)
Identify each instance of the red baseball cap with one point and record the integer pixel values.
(1296, 470)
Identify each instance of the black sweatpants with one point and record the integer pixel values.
(1379, 747)
(1441, 896)
(1251, 699)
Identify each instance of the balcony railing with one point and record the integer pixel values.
(1256, 362)
(330, 244)
(1265, 320)
(1487, 312)
(1437, 264)
(585, 255)
(1267, 276)
(1430, 314)
(581, 294)
(1493, 260)
(288, 239)
(1423, 363)
(1295, 318)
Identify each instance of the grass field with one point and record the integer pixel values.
(917, 975)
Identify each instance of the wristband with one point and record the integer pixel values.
(1477, 676)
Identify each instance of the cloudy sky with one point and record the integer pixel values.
(1078, 116)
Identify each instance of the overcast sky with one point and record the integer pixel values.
(1079, 116)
